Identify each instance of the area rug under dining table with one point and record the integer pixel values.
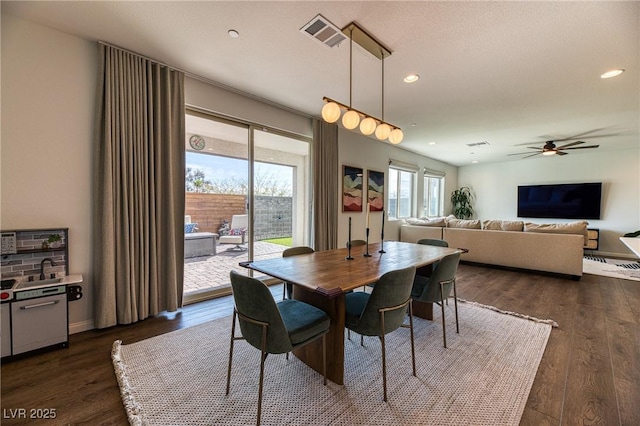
(482, 378)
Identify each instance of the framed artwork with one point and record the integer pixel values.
(375, 190)
(352, 189)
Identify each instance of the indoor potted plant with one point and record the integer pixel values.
(54, 240)
(461, 200)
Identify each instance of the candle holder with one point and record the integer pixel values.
(366, 253)
(349, 251)
(382, 236)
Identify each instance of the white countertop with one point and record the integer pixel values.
(632, 243)
(32, 285)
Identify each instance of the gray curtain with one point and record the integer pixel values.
(138, 189)
(325, 185)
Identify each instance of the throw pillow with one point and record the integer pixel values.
(190, 228)
(579, 227)
(464, 223)
(503, 225)
(426, 222)
(237, 231)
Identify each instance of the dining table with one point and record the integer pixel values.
(323, 278)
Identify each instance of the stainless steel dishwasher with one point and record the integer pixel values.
(39, 318)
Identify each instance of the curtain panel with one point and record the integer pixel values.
(325, 185)
(138, 189)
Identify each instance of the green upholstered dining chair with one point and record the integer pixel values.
(426, 271)
(274, 328)
(382, 311)
(433, 242)
(437, 287)
(287, 291)
(356, 243)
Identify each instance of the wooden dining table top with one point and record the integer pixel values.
(330, 273)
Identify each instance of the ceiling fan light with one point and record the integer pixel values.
(382, 131)
(396, 136)
(331, 112)
(368, 126)
(612, 73)
(350, 119)
(549, 152)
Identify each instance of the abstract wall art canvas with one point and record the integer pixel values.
(375, 190)
(352, 189)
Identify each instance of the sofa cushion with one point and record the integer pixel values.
(463, 223)
(579, 227)
(503, 225)
(426, 222)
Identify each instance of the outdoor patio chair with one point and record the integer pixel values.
(237, 234)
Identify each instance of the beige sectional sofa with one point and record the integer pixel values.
(556, 248)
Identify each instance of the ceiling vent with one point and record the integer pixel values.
(323, 31)
(483, 143)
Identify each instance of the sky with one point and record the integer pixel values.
(217, 168)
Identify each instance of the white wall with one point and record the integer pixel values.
(370, 154)
(48, 107)
(494, 186)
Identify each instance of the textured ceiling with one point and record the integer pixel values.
(508, 73)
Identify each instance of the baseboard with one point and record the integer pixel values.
(79, 327)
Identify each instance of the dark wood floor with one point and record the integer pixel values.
(589, 374)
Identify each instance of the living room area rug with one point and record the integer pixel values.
(608, 267)
(483, 377)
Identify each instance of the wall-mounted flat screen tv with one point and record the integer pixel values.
(560, 201)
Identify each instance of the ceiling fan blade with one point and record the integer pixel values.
(532, 155)
(570, 144)
(561, 153)
(520, 153)
(583, 147)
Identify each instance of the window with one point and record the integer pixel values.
(401, 194)
(432, 201)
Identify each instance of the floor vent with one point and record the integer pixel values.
(323, 31)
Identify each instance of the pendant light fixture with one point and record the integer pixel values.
(368, 124)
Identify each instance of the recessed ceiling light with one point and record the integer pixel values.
(612, 73)
(411, 78)
(432, 143)
(474, 161)
(233, 33)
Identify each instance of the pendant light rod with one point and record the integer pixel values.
(343, 106)
(382, 87)
(350, 68)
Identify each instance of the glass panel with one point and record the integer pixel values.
(405, 200)
(216, 196)
(393, 193)
(281, 195)
(432, 200)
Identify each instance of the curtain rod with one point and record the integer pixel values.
(211, 82)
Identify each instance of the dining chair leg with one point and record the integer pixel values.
(444, 329)
(384, 361)
(413, 350)
(455, 302)
(348, 334)
(362, 340)
(233, 331)
(263, 357)
(324, 358)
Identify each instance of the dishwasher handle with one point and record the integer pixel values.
(38, 305)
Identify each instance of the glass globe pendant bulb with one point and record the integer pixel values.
(382, 132)
(350, 120)
(368, 126)
(396, 136)
(331, 112)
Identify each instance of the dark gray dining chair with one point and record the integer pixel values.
(382, 311)
(356, 243)
(426, 271)
(437, 287)
(287, 291)
(274, 328)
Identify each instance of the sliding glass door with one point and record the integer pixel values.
(246, 196)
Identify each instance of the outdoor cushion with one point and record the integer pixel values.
(190, 227)
(237, 231)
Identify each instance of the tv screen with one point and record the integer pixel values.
(561, 201)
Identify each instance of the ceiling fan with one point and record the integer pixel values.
(550, 148)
